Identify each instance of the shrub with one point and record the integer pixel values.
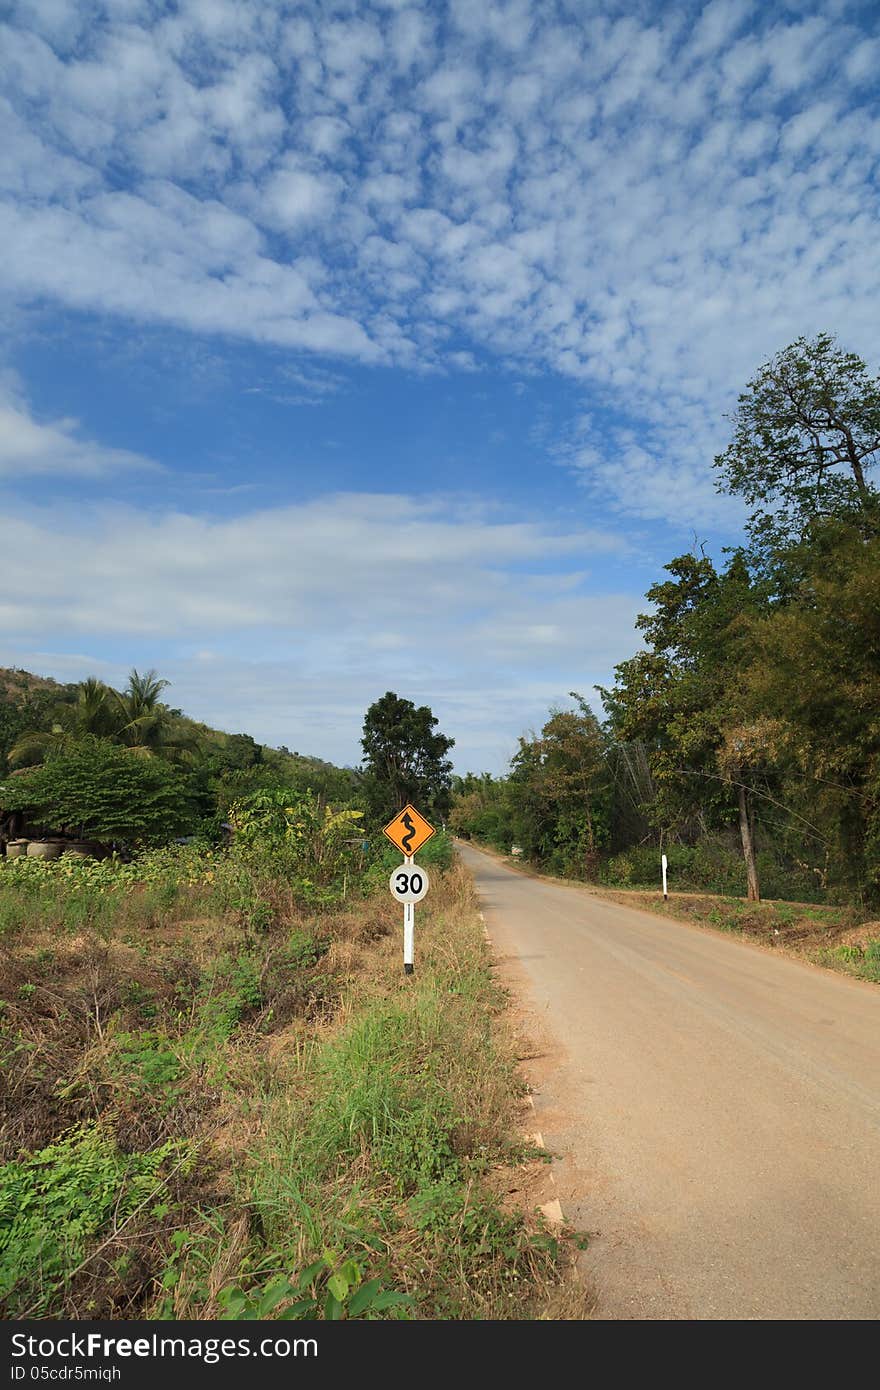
(713, 865)
(106, 793)
(293, 834)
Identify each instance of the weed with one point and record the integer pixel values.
(145, 1062)
(229, 990)
(330, 1287)
(350, 1149)
(56, 1203)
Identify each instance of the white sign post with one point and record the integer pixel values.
(408, 885)
(663, 866)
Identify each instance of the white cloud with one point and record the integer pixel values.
(649, 202)
(303, 616)
(294, 196)
(863, 62)
(56, 448)
(127, 571)
(716, 26)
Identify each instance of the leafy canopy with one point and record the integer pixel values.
(558, 789)
(806, 431)
(104, 792)
(135, 718)
(404, 758)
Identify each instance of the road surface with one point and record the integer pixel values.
(716, 1107)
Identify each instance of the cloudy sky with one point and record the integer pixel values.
(352, 347)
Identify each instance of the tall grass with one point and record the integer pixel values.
(378, 1144)
(342, 1120)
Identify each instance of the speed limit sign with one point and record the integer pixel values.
(408, 884)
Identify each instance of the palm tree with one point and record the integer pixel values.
(136, 718)
(146, 725)
(91, 713)
(141, 716)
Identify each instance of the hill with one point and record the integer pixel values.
(219, 765)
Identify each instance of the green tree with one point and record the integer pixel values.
(681, 698)
(806, 432)
(405, 758)
(92, 712)
(24, 712)
(482, 808)
(135, 717)
(146, 724)
(559, 789)
(104, 792)
(814, 679)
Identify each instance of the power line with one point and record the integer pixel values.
(765, 796)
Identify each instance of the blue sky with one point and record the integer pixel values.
(353, 347)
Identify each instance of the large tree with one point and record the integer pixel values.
(559, 789)
(146, 724)
(806, 433)
(681, 700)
(405, 758)
(814, 682)
(104, 792)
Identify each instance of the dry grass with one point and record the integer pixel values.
(323, 1101)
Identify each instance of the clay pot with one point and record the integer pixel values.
(44, 849)
(81, 849)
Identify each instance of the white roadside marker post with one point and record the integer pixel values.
(663, 866)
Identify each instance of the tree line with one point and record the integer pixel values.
(749, 722)
(124, 767)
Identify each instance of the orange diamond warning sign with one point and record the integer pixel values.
(409, 831)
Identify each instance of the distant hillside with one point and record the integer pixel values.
(30, 703)
(14, 682)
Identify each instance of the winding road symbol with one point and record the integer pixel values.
(409, 831)
(407, 839)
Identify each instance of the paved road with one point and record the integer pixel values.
(717, 1108)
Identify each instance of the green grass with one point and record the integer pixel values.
(57, 1204)
(861, 961)
(383, 1152)
(340, 1122)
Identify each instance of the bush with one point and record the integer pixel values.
(103, 792)
(709, 866)
(713, 865)
(634, 868)
(317, 849)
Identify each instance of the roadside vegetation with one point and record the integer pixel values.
(61, 750)
(743, 740)
(222, 1098)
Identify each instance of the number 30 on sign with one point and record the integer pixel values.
(408, 884)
